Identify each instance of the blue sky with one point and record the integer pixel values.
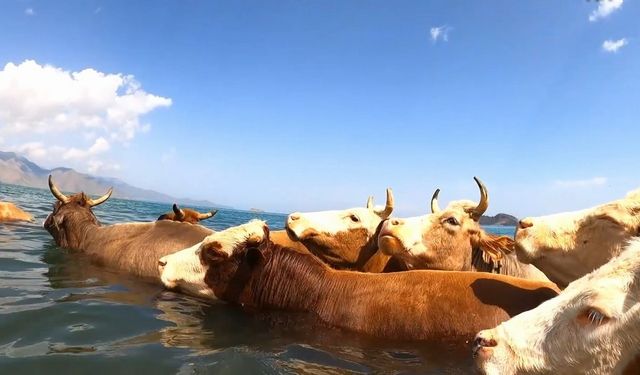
(312, 105)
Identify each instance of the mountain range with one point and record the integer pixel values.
(18, 170)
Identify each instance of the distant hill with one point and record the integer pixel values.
(499, 219)
(18, 170)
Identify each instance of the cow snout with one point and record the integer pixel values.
(483, 344)
(525, 223)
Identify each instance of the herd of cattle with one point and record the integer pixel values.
(561, 297)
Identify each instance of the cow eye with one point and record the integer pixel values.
(593, 316)
(452, 221)
(354, 218)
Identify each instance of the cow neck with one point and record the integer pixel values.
(292, 281)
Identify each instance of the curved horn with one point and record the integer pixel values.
(435, 208)
(388, 208)
(370, 202)
(207, 215)
(56, 192)
(101, 200)
(179, 213)
(484, 201)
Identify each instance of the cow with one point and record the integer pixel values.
(11, 212)
(344, 239)
(569, 245)
(452, 239)
(240, 265)
(132, 248)
(592, 327)
(186, 215)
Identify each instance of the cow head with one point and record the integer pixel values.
(592, 327)
(210, 269)
(445, 238)
(70, 215)
(342, 239)
(569, 245)
(186, 215)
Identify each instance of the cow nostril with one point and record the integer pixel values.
(525, 223)
(294, 217)
(484, 342)
(162, 263)
(395, 222)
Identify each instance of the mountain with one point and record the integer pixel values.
(500, 219)
(18, 170)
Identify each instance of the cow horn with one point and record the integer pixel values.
(179, 213)
(477, 212)
(435, 208)
(101, 200)
(388, 208)
(56, 192)
(207, 215)
(370, 202)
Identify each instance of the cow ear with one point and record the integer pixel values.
(254, 256)
(495, 247)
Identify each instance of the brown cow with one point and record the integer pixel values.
(452, 239)
(186, 215)
(130, 247)
(344, 239)
(241, 265)
(11, 212)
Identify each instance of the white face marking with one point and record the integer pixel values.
(592, 327)
(408, 232)
(183, 269)
(334, 222)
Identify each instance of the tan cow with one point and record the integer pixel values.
(569, 245)
(241, 265)
(186, 215)
(11, 212)
(344, 239)
(592, 327)
(452, 239)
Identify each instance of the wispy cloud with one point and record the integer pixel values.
(614, 45)
(605, 8)
(440, 33)
(587, 183)
(30, 12)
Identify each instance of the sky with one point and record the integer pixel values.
(315, 105)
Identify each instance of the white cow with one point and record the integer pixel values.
(592, 327)
(569, 245)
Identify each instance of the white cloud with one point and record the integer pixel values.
(101, 145)
(605, 8)
(591, 182)
(614, 45)
(44, 103)
(96, 166)
(440, 32)
(43, 99)
(29, 12)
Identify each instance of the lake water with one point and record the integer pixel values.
(58, 313)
